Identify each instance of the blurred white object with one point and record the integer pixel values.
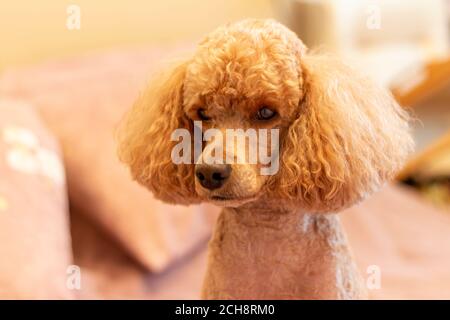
(384, 37)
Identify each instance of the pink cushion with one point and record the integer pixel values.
(35, 248)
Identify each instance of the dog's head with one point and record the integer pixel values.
(323, 136)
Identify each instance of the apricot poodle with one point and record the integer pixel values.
(340, 138)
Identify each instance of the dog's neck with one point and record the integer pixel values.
(264, 253)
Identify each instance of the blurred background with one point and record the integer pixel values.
(36, 32)
(74, 225)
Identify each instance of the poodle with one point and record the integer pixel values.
(340, 138)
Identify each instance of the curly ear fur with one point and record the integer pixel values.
(144, 139)
(349, 138)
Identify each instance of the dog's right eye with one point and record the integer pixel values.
(202, 114)
(265, 113)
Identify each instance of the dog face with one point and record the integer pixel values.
(236, 85)
(339, 135)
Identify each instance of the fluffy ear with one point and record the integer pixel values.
(144, 139)
(349, 138)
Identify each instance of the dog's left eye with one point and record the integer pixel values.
(265, 113)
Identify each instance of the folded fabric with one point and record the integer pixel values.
(35, 247)
(82, 100)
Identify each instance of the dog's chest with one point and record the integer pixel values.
(311, 261)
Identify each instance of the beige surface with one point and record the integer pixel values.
(33, 31)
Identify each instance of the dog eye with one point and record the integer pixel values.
(202, 114)
(265, 114)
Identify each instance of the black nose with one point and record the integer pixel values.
(212, 176)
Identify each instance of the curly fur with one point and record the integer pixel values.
(348, 138)
(341, 135)
(352, 135)
(144, 139)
